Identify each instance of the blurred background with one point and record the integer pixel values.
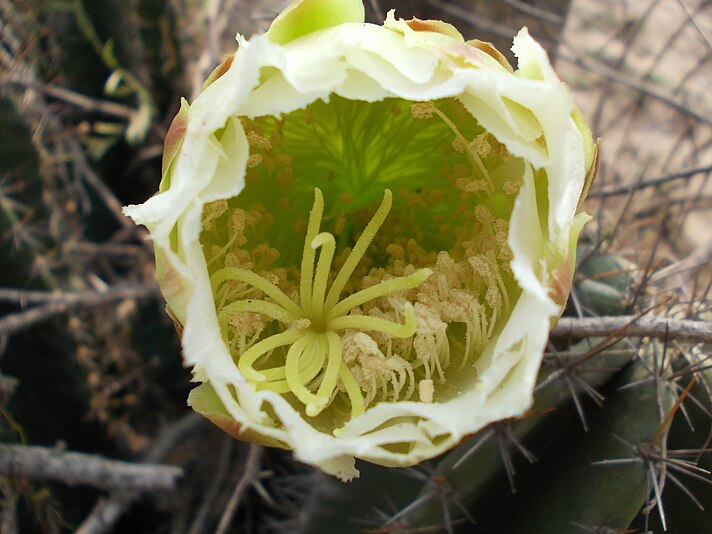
(90, 363)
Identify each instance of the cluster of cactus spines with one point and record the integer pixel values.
(619, 425)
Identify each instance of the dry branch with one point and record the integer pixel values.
(658, 327)
(74, 98)
(74, 468)
(654, 182)
(55, 303)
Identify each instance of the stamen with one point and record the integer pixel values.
(353, 391)
(422, 110)
(254, 160)
(236, 224)
(472, 155)
(212, 212)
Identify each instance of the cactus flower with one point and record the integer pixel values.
(364, 233)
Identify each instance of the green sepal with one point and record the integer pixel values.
(302, 17)
(206, 402)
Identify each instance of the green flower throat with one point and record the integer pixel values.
(366, 259)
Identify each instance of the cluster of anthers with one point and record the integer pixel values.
(314, 368)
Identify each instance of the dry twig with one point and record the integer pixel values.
(250, 469)
(678, 329)
(56, 303)
(625, 190)
(85, 469)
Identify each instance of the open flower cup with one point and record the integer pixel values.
(365, 233)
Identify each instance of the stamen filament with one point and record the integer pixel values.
(472, 156)
(493, 320)
(353, 391)
(503, 290)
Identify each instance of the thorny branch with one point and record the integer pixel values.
(85, 469)
(679, 329)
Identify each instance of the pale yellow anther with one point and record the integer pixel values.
(254, 160)
(237, 221)
(259, 141)
(213, 211)
(422, 110)
(397, 251)
(426, 390)
(247, 323)
(493, 297)
(240, 258)
(459, 145)
(301, 324)
(511, 188)
(480, 146)
(483, 214)
(482, 266)
(471, 186)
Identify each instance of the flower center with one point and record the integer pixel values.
(312, 324)
(336, 308)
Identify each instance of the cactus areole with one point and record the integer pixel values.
(365, 233)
